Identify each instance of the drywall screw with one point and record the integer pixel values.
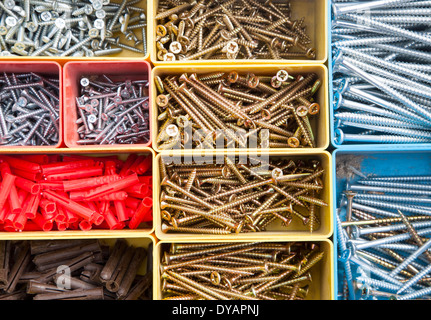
(29, 110)
(112, 114)
(208, 22)
(213, 105)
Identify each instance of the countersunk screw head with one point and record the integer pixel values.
(162, 100)
(46, 16)
(88, 9)
(9, 4)
(276, 173)
(232, 47)
(97, 5)
(11, 21)
(314, 108)
(169, 57)
(22, 102)
(282, 75)
(60, 23)
(175, 47)
(99, 24)
(100, 14)
(302, 111)
(93, 33)
(172, 130)
(275, 83)
(92, 118)
(161, 30)
(31, 26)
(84, 82)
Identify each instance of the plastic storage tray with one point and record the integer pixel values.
(314, 12)
(123, 55)
(275, 231)
(146, 241)
(93, 233)
(43, 67)
(321, 287)
(72, 72)
(351, 145)
(319, 123)
(385, 162)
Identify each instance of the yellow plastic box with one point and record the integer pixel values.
(144, 241)
(319, 123)
(322, 275)
(274, 231)
(316, 20)
(141, 231)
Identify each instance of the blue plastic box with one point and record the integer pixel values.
(379, 162)
(349, 145)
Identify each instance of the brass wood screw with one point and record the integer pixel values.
(240, 196)
(201, 30)
(222, 271)
(231, 109)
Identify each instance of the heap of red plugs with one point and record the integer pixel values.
(71, 192)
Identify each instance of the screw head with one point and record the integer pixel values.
(118, 100)
(172, 130)
(169, 57)
(19, 47)
(93, 33)
(175, 47)
(9, 4)
(161, 30)
(100, 14)
(11, 21)
(276, 173)
(314, 109)
(275, 83)
(302, 111)
(92, 118)
(293, 142)
(84, 82)
(45, 16)
(282, 75)
(88, 9)
(99, 24)
(162, 100)
(60, 23)
(22, 102)
(31, 26)
(232, 47)
(97, 5)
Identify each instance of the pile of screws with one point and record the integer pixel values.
(73, 270)
(240, 195)
(68, 28)
(230, 29)
(236, 110)
(238, 271)
(29, 109)
(383, 229)
(381, 72)
(44, 193)
(112, 112)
